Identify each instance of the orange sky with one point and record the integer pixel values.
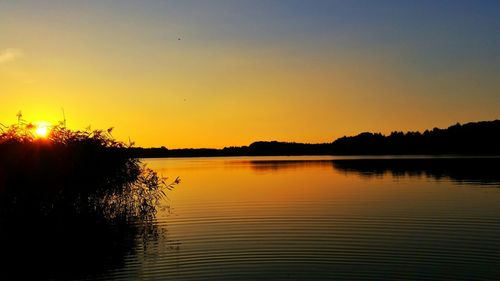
(187, 74)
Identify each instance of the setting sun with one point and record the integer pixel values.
(42, 129)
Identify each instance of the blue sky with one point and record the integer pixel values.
(250, 70)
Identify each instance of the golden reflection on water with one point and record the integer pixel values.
(287, 182)
(307, 218)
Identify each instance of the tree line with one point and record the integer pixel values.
(470, 138)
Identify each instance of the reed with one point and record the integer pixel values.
(76, 171)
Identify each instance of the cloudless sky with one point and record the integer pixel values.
(221, 73)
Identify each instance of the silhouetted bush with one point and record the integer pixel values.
(72, 204)
(78, 170)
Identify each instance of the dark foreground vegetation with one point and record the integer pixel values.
(71, 204)
(471, 138)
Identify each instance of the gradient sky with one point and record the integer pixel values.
(306, 71)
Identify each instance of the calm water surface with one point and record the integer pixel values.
(310, 218)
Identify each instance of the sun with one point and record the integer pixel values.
(42, 129)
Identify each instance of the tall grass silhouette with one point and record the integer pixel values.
(73, 203)
(82, 170)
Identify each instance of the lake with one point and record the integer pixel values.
(321, 218)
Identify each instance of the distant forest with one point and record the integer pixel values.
(481, 138)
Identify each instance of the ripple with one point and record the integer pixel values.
(382, 227)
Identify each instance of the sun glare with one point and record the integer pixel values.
(42, 129)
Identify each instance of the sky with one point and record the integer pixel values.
(227, 73)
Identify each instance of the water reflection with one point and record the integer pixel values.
(485, 171)
(75, 207)
(67, 245)
(279, 219)
(308, 218)
(276, 165)
(71, 232)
